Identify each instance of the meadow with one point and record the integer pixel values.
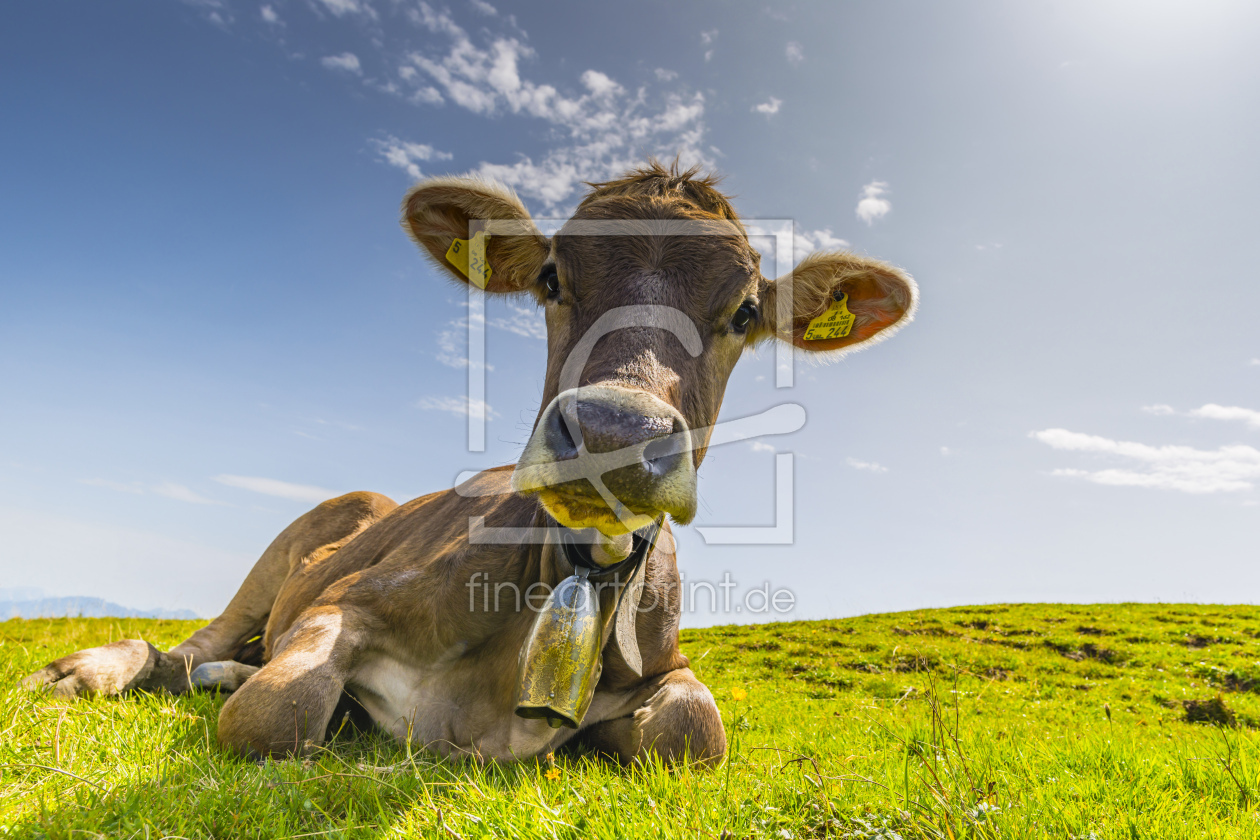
(1020, 721)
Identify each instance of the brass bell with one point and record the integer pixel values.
(560, 662)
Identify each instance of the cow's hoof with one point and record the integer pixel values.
(221, 676)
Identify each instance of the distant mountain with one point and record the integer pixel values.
(78, 606)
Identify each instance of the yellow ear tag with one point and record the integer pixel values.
(469, 256)
(836, 322)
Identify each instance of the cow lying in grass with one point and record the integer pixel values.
(367, 602)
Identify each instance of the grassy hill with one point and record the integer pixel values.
(1021, 721)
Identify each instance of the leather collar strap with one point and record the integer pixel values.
(579, 553)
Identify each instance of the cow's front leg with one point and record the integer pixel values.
(674, 718)
(285, 707)
(108, 669)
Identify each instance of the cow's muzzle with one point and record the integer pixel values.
(611, 458)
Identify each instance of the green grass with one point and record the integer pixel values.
(965, 723)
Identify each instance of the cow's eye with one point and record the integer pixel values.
(743, 317)
(550, 278)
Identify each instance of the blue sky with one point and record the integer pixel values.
(209, 317)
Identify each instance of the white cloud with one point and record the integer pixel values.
(181, 493)
(946, 452)
(869, 466)
(1182, 468)
(601, 85)
(1212, 411)
(269, 15)
(451, 342)
(407, 156)
(873, 205)
(526, 321)
(758, 446)
(1254, 362)
(274, 487)
(462, 406)
(167, 489)
(348, 61)
(600, 132)
(768, 107)
(348, 7)
(805, 242)
(706, 40)
(427, 95)
(795, 52)
(215, 11)
(597, 128)
(450, 348)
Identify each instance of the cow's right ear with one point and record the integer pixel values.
(447, 217)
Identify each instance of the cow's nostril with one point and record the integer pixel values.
(559, 437)
(660, 456)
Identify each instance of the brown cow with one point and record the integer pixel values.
(365, 601)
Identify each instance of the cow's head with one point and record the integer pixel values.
(651, 293)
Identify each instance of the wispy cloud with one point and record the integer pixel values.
(1254, 362)
(525, 321)
(759, 446)
(770, 106)
(275, 487)
(215, 11)
(340, 8)
(1159, 409)
(462, 406)
(597, 126)
(707, 39)
(269, 15)
(182, 494)
(869, 466)
(407, 156)
(347, 62)
(452, 341)
(167, 489)
(450, 345)
(602, 131)
(795, 53)
(872, 205)
(805, 242)
(1210, 411)
(1182, 468)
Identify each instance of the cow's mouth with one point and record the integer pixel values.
(576, 512)
(609, 458)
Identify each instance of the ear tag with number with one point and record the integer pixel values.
(469, 256)
(836, 322)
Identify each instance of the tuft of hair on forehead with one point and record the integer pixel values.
(655, 181)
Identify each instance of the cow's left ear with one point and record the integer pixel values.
(444, 215)
(839, 303)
